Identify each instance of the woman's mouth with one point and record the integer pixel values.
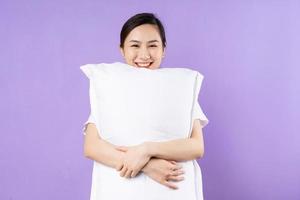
(143, 64)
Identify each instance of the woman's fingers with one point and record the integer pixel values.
(175, 178)
(176, 167)
(123, 171)
(128, 174)
(170, 185)
(177, 173)
(134, 173)
(173, 162)
(119, 166)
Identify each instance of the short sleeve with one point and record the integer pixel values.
(91, 119)
(198, 114)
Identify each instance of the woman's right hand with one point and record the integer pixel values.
(163, 171)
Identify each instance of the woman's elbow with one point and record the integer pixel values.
(89, 141)
(200, 153)
(88, 149)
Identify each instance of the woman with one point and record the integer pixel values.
(142, 44)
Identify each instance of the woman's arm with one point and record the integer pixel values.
(177, 150)
(164, 172)
(180, 149)
(97, 149)
(100, 150)
(160, 170)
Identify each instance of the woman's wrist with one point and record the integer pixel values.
(146, 169)
(119, 160)
(149, 148)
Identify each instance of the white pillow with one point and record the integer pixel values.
(130, 105)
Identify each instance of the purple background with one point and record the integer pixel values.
(247, 50)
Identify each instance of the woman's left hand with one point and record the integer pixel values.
(135, 158)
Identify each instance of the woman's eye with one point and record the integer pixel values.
(134, 45)
(153, 45)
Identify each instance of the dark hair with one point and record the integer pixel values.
(140, 19)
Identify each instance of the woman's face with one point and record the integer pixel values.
(143, 47)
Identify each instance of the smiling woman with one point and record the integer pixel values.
(143, 41)
(153, 168)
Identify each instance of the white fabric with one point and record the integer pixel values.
(131, 105)
(197, 114)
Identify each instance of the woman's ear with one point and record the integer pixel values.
(122, 51)
(164, 52)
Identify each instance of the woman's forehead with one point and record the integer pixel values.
(146, 32)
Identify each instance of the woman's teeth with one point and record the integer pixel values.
(143, 64)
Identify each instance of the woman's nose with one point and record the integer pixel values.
(144, 54)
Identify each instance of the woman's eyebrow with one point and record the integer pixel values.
(150, 41)
(135, 41)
